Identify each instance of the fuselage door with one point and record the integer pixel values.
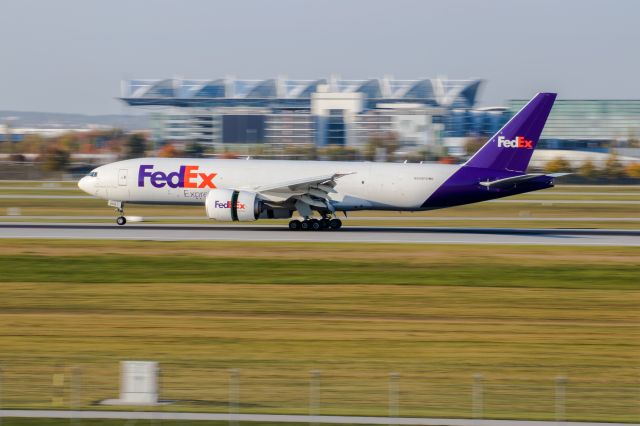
(122, 177)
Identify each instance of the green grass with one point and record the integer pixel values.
(14, 421)
(435, 314)
(93, 268)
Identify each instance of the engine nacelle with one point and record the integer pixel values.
(227, 205)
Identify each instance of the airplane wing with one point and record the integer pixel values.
(313, 191)
(510, 182)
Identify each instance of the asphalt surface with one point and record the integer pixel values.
(505, 201)
(357, 234)
(155, 415)
(409, 217)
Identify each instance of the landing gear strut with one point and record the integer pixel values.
(119, 206)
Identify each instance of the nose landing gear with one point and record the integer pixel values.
(119, 206)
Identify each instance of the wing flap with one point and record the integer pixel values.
(310, 191)
(302, 184)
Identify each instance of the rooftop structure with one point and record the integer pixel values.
(293, 94)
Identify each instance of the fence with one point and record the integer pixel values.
(365, 392)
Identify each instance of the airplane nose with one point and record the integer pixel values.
(84, 185)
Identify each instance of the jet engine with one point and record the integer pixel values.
(227, 205)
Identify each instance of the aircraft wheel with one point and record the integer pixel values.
(326, 223)
(335, 224)
(304, 225)
(314, 225)
(295, 225)
(121, 220)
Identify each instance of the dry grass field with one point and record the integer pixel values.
(436, 315)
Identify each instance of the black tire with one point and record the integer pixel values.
(121, 220)
(335, 224)
(314, 225)
(294, 225)
(304, 225)
(326, 223)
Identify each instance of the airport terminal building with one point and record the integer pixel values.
(427, 115)
(421, 114)
(594, 125)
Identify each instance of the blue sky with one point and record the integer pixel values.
(70, 55)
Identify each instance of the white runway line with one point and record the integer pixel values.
(161, 415)
(407, 217)
(349, 234)
(506, 201)
(542, 201)
(45, 197)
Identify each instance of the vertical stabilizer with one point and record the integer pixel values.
(511, 148)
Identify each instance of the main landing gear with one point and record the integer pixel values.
(315, 224)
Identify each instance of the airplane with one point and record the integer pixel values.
(248, 190)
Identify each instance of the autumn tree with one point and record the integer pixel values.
(55, 159)
(557, 165)
(194, 149)
(388, 143)
(302, 152)
(588, 170)
(472, 145)
(339, 153)
(135, 146)
(612, 168)
(633, 170)
(169, 151)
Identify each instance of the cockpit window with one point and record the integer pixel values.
(93, 174)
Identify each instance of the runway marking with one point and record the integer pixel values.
(506, 201)
(349, 234)
(291, 418)
(46, 197)
(407, 217)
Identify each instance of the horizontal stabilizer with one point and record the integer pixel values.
(513, 181)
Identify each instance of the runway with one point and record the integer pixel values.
(349, 234)
(500, 201)
(276, 418)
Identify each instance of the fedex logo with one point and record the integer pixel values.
(185, 177)
(518, 142)
(227, 204)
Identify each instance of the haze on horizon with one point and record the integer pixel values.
(70, 55)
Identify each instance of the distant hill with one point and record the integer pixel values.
(64, 120)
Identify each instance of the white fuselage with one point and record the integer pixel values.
(368, 186)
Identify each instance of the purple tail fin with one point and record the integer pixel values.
(511, 148)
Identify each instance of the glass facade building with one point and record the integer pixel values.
(588, 125)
